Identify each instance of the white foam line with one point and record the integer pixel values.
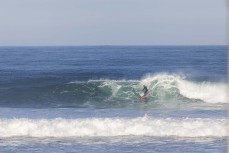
(90, 127)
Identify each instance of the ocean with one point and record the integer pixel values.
(80, 99)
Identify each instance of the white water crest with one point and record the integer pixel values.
(208, 92)
(92, 127)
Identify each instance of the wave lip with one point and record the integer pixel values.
(106, 127)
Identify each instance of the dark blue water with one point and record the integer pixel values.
(112, 62)
(81, 99)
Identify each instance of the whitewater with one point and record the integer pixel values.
(108, 127)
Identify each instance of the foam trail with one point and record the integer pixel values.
(91, 127)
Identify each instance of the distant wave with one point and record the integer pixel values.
(106, 127)
(163, 89)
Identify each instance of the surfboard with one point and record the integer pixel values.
(142, 98)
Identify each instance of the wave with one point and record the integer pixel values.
(164, 89)
(177, 85)
(106, 127)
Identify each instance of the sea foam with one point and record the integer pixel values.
(106, 127)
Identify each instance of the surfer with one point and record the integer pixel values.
(145, 90)
(144, 96)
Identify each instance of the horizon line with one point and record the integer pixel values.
(127, 45)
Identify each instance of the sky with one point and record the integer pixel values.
(112, 22)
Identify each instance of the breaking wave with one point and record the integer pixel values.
(176, 86)
(106, 127)
(163, 88)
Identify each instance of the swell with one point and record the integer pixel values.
(106, 127)
(163, 89)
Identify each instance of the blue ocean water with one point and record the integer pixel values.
(81, 99)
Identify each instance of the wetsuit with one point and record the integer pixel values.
(145, 90)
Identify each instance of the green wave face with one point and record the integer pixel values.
(164, 90)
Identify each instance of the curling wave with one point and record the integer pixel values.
(177, 85)
(163, 89)
(92, 127)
